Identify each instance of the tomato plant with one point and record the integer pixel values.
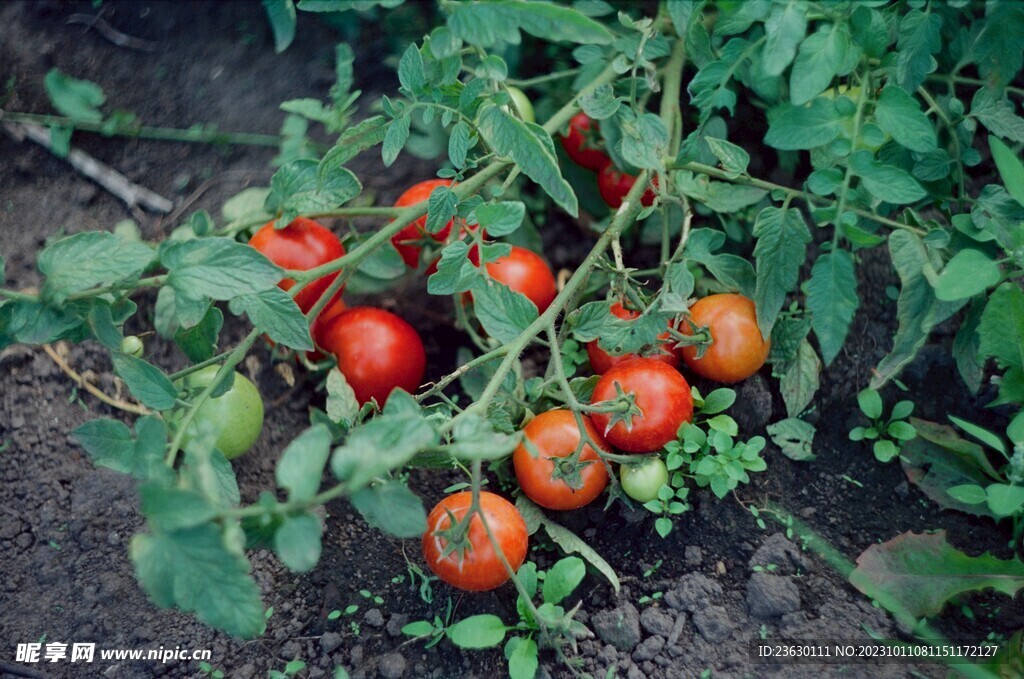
(302, 245)
(642, 481)
(522, 104)
(601, 361)
(407, 240)
(473, 563)
(236, 415)
(547, 467)
(737, 349)
(614, 184)
(377, 351)
(581, 143)
(661, 404)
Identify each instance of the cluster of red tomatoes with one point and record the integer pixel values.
(582, 144)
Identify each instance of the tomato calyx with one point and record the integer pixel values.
(569, 469)
(623, 408)
(697, 336)
(456, 536)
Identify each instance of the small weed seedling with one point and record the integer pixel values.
(290, 670)
(544, 625)
(888, 434)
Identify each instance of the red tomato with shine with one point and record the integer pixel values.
(376, 350)
(738, 350)
(524, 271)
(302, 245)
(405, 241)
(662, 395)
(614, 185)
(554, 435)
(601, 361)
(479, 568)
(581, 143)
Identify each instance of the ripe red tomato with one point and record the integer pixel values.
(555, 435)
(376, 350)
(524, 271)
(316, 328)
(662, 395)
(614, 185)
(405, 241)
(479, 568)
(581, 143)
(302, 245)
(601, 361)
(737, 348)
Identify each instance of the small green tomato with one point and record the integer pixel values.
(237, 414)
(522, 104)
(131, 344)
(642, 481)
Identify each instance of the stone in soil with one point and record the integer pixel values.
(656, 621)
(619, 626)
(713, 623)
(694, 592)
(648, 648)
(778, 551)
(771, 596)
(391, 665)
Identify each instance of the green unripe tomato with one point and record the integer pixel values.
(522, 104)
(237, 414)
(131, 344)
(642, 481)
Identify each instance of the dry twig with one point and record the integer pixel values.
(92, 388)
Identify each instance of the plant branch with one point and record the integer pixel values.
(126, 406)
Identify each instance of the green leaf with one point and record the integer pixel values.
(998, 114)
(392, 508)
(832, 299)
(969, 272)
(365, 134)
(199, 342)
(886, 182)
(901, 116)
(90, 258)
(302, 463)
(208, 472)
(420, 628)
(169, 508)
(793, 128)
(718, 401)
(532, 150)
(410, 70)
(500, 218)
(76, 99)
(342, 405)
(562, 578)
(885, 450)
(110, 444)
(474, 438)
(801, 380)
(984, 435)
(218, 268)
(521, 653)
(901, 431)
(395, 139)
(478, 631)
(306, 185)
(782, 238)
(281, 15)
(922, 572)
(486, 24)
(733, 158)
(644, 140)
(503, 312)
(458, 144)
(719, 196)
(1005, 500)
(1002, 326)
(455, 272)
(785, 28)
(709, 87)
(297, 542)
(794, 437)
(966, 348)
(381, 445)
(1011, 169)
(870, 403)
(999, 46)
(919, 38)
(681, 13)
(146, 382)
(968, 493)
(821, 56)
(275, 312)
(202, 571)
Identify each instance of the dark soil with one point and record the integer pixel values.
(65, 525)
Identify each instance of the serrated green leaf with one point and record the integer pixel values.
(532, 150)
(782, 237)
(392, 508)
(146, 382)
(923, 572)
(486, 24)
(381, 445)
(275, 312)
(1011, 169)
(297, 542)
(302, 463)
(998, 114)
(919, 38)
(733, 158)
(200, 571)
(503, 312)
(90, 258)
(886, 182)
(801, 380)
(500, 218)
(395, 139)
(218, 268)
(785, 28)
(1002, 326)
(306, 185)
(901, 116)
(969, 272)
(832, 299)
(709, 87)
(793, 128)
(478, 631)
(821, 56)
